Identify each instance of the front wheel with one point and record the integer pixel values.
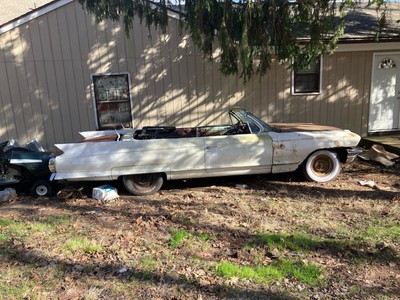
(322, 166)
(41, 188)
(143, 184)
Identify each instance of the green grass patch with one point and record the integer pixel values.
(204, 237)
(177, 238)
(37, 225)
(194, 239)
(294, 242)
(93, 248)
(147, 263)
(84, 245)
(5, 222)
(51, 221)
(17, 228)
(375, 233)
(3, 237)
(20, 286)
(305, 273)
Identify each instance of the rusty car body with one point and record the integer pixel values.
(25, 166)
(144, 158)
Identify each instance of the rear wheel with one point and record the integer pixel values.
(41, 188)
(322, 166)
(143, 184)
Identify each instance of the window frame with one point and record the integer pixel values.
(294, 93)
(96, 115)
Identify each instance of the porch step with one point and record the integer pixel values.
(390, 142)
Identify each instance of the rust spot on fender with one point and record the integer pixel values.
(279, 147)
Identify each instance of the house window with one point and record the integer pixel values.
(112, 101)
(308, 80)
(387, 63)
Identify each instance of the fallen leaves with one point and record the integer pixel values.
(221, 223)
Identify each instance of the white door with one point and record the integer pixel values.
(238, 154)
(385, 93)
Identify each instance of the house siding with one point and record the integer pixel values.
(47, 63)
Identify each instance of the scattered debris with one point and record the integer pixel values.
(25, 165)
(105, 193)
(70, 192)
(378, 154)
(369, 183)
(242, 186)
(7, 195)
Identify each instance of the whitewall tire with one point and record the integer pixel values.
(322, 166)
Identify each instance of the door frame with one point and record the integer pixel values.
(375, 54)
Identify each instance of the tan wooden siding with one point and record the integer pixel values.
(46, 67)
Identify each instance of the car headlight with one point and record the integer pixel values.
(52, 165)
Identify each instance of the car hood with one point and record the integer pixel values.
(299, 127)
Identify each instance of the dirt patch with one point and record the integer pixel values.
(172, 245)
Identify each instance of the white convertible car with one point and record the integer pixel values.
(145, 158)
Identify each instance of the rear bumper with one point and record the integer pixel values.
(352, 153)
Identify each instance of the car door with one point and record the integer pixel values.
(238, 154)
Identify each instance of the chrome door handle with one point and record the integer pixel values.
(210, 147)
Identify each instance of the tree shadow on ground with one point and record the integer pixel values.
(17, 254)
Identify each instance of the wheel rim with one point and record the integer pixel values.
(142, 182)
(41, 190)
(322, 165)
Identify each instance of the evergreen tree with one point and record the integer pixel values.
(249, 32)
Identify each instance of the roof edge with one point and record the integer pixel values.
(32, 15)
(29, 16)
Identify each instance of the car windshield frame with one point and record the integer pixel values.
(246, 117)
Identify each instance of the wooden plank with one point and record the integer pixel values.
(311, 102)
(346, 117)
(72, 29)
(72, 99)
(45, 42)
(82, 31)
(45, 104)
(15, 105)
(54, 36)
(65, 40)
(168, 47)
(139, 39)
(35, 40)
(4, 45)
(282, 105)
(359, 58)
(137, 86)
(54, 102)
(120, 40)
(62, 101)
(209, 93)
(201, 90)
(103, 63)
(340, 83)
(185, 82)
(32, 103)
(93, 48)
(22, 43)
(327, 90)
(7, 129)
(270, 112)
(329, 115)
(367, 93)
(218, 100)
(111, 47)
